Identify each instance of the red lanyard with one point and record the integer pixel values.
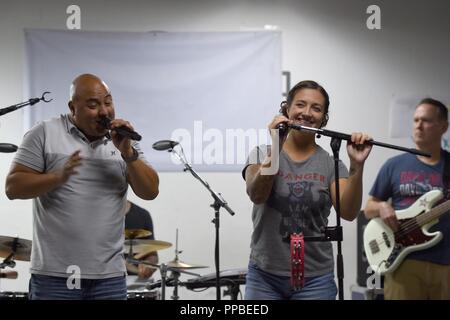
(297, 261)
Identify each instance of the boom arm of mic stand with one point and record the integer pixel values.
(217, 196)
(30, 102)
(344, 136)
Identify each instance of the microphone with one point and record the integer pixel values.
(164, 145)
(7, 147)
(105, 122)
(9, 275)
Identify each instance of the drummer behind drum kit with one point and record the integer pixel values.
(138, 249)
(14, 248)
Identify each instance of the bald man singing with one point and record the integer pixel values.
(77, 173)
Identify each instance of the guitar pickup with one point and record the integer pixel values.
(386, 240)
(374, 248)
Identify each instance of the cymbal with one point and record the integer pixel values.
(143, 247)
(182, 265)
(23, 248)
(137, 233)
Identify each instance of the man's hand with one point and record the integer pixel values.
(123, 144)
(387, 214)
(69, 167)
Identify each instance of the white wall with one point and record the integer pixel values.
(324, 41)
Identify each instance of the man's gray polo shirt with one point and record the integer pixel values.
(80, 223)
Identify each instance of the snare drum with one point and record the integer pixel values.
(12, 295)
(143, 295)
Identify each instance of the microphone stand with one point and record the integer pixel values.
(7, 147)
(30, 102)
(219, 202)
(335, 233)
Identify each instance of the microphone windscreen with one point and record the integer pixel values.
(7, 147)
(164, 145)
(105, 122)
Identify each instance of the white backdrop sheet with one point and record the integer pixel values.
(214, 92)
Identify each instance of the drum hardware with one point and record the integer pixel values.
(175, 266)
(142, 295)
(15, 248)
(8, 262)
(11, 248)
(138, 249)
(12, 295)
(163, 268)
(232, 279)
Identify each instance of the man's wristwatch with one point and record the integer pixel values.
(134, 157)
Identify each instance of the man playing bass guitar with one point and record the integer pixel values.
(424, 274)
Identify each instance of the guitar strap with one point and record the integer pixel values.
(297, 261)
(446, 175)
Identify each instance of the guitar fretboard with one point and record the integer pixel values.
(434, 213)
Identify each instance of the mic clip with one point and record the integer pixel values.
(282, 129)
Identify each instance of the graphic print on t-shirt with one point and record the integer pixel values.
(301, 208)
(413, 184)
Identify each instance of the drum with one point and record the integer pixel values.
(143, 295)
(12, 295)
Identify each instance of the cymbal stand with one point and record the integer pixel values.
(175, 277)
(175, 274)
(130, 252)
(163, 270)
